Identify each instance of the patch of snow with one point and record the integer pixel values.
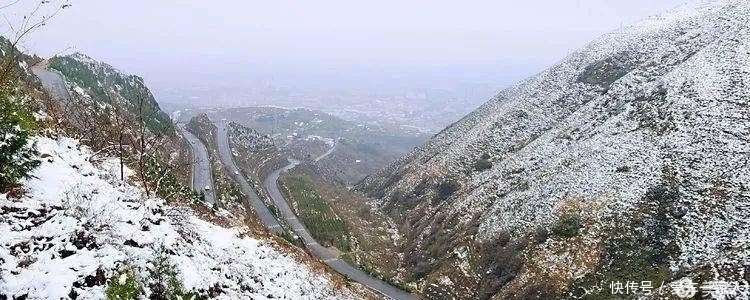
(77, 219)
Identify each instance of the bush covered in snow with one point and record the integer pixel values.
(164, 279)
(568, 225)
(125, 286)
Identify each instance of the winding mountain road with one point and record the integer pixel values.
(201, 174)
(271, 184)
(322, 253)
(227, 159)
(324, 155)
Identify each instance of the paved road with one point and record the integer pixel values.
(271, 184)
(322, 156)
(227, 159)
(202, 176)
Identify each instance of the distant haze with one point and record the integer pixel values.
(365, 45)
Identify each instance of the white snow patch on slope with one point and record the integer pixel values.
(76, 219)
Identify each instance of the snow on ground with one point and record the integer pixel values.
(77, 227)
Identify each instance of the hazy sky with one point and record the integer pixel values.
(334, 43)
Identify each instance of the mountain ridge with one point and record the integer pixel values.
(635, 118)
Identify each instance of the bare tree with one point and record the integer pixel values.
(144, 143)
(148, 141)
(121, 121)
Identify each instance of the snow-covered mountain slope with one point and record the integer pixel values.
(77, 229)
(115, 113)
(643, 135)
(111, 89)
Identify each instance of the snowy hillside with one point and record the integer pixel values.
(638, 144)
(110, 89)
(77, 230)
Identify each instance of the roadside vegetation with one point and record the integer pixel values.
(344, 219)
(318, 216)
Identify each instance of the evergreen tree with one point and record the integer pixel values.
(164, 280)
(17, 154)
